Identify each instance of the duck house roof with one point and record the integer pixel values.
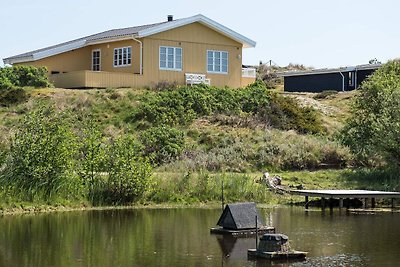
(239, 216)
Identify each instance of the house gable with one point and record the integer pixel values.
(196, 33)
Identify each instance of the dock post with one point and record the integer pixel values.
(331, 204)
(373, 203)
(340, 203)
(322, 203)
(365, 203)
(347, 203)
(392, 203)
(306, 204)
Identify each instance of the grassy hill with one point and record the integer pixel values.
(196, 144)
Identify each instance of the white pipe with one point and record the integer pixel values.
(355, 79)
(141, 54)
(342, 80)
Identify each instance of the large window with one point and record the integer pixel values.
(217, 61)
(122, 56)
(170, 58)
(96, 60)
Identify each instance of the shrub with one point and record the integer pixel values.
(182, 106)
(285, 113)
(40, 162)
(13, 96)
(162, 144)
(374, 126)
(91, 158)
(128, 172)
(26, 76)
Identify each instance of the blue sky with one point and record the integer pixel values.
(318, 33)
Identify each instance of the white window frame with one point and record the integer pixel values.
(220, 62)
(96, 50)
(120, 51)
(174, 68)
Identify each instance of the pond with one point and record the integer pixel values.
(180, 237)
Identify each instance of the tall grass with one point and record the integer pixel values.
(204, 186)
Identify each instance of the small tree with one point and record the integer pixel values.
(92, 157)
(40, 161)
(128, 172)
(374, 126)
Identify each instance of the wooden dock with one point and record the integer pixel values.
(346, 194)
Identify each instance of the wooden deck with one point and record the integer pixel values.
(346, 194)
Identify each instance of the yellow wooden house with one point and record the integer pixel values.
(184, 51)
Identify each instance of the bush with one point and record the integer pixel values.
(374, 126)
(12, 96)
(19, 76)
(40, 162)
(91, 158)
(128, 172)
(162, 144)
(237, 151)
(285, 113)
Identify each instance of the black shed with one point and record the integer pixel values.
(240, 216)
(318, 80)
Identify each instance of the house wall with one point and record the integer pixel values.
(322, 82)
(107, 56)
(195, 39)
(362, 75)
(316, 82)
(81, 59)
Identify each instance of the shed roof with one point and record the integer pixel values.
(127, 33)
(242, 214)
(330, 70)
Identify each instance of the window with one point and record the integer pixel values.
(96, 60)
(170, 58)
(351, 78)
(122, 56)
(217, 61)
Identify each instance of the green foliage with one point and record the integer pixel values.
(20, 76)
(162, 144)
(204, 186)
(374, 126)
(92, 157)
(40, 163)
(183, 105)
(241, 151)
(12, 96)
(285, 113)
(129, 173)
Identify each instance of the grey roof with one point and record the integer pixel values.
(114, 33)
(243, 215)
(125, 33)
(330, 70)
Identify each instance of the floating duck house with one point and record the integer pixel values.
(240, 219)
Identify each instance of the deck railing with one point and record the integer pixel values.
(249, 72)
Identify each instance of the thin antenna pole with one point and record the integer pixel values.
(222, 195)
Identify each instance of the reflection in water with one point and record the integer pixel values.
(180, 237)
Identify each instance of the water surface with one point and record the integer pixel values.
(180, 237)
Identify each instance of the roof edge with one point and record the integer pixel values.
(247, 42)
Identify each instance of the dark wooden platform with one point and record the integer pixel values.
(244, 232)
(291, 255)
(346, 194)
